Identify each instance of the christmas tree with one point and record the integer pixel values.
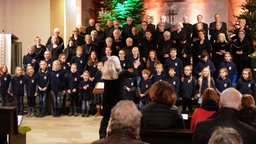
(120, 9)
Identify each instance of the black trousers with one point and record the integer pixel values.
(104, 126)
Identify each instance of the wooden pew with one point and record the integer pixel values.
(169, 136)
(9, 126)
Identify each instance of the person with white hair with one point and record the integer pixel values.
(225, 135)
(227, 116)
(56, 33)
(178, 33)
(113, 78)
(125, 121)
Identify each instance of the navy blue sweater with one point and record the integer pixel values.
(4, 83)
(57, 81)
(222, 84)
(31, 85)
(174, 63)
(73, 81)
(81, 63)
(188, 87)
(17, 85)
(175, 81)
(246, 87)
(43, 79)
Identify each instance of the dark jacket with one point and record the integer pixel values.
(17, 85)
(40, 52)
(188, 87)
(248, 115)
(174, 63)
(31, 85)
(222, 84)
(81, 63)
(114, 91)
(57, 81)
(4, 83)
(43, 79)
(246, 87)
(225, 117)
(232, 71)
(120, 136)
(161, 116)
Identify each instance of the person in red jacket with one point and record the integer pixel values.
(209, 107)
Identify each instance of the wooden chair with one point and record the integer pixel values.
(168, 136)
(9, 126)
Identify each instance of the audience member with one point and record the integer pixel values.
(162, 113)
(248, 111)
(225, 135)
(228, 116)
(208, 107)
(124, 128)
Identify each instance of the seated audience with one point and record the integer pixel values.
(124, 128)
(225, 135)
(228, 116)
(248, 111)
(209, 107)
(162, 113)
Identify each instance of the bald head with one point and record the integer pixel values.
(231, 98)
(125, 114)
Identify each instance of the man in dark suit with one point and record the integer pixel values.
(205, 26)
(151, 26)
(167, 26)
(127, 28)
(227, 116)
(213, 24)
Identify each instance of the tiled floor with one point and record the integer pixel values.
(62, 130)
